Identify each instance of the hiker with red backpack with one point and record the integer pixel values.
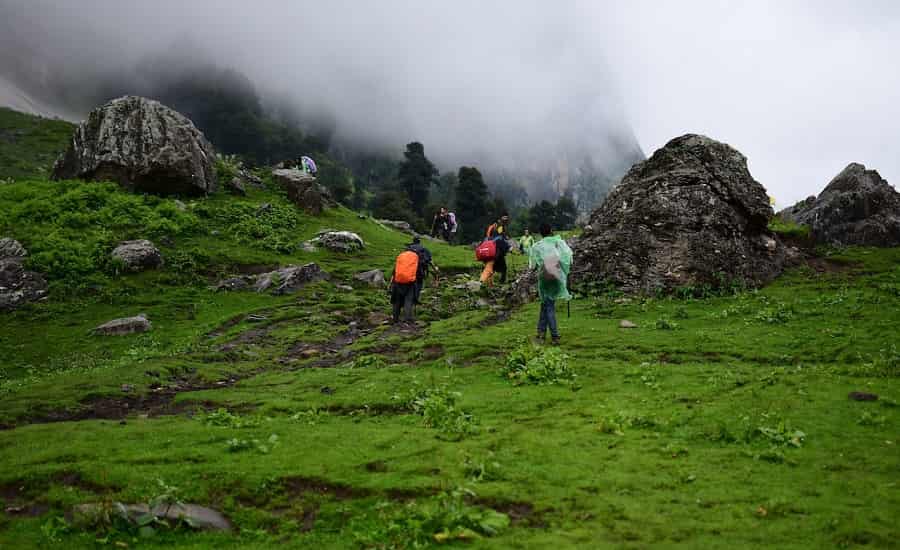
(410, 269)
(552, 258)
(497, 233)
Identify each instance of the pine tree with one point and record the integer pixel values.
(416, 176)
(472, 204)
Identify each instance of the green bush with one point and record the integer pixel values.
(438, 408)
(445, 517)
(531, 364)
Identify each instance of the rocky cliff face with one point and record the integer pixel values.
(144, 146)
(857, 207)
(691, 214)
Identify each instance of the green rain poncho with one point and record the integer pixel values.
(546, 249)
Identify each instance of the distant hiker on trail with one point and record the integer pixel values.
(453, 227)
(526, 242)
(408, 278)
(442, 225)
(307, 165)
(552, 258)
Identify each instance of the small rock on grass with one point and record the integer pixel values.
(125, 325)
(625, 323)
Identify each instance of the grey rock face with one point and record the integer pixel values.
(125, 325)
(374, 277)
(857, 207)
(303, 190)
(142, 145)
(11, 248)
(138, 255)
(18, 286)
(289, 279)
(691, 214)
(340, 241)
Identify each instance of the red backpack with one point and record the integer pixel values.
(406, 267)
(486, 251)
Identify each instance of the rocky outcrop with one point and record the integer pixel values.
(11, 248)
(142, 145)
(125, 325)
(689, 215)
(374, 277)
(303, 190)
(289, 279)
(857, 207)
(138, 255)
(18, 286)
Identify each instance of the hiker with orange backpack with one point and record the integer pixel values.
(410, 269)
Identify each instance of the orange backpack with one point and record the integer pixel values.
(406, 267)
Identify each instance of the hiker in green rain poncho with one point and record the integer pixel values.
(552, 258)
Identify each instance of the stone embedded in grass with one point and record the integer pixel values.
(233, 283)
(289, 279)
(17, 286)
(195, 516)
(373, 277)
(125, 325)
(625, 323)
(340, 241)
(138, 255)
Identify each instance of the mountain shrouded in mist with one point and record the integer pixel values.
(507, 87)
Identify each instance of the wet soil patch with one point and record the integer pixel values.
(373, 409)
(23, 497)
(430, 353)
(252, 336)
(519, 512)
(827, 265)
(298, 486)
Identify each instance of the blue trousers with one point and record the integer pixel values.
(548, 319)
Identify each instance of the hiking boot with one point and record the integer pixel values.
(554, 341)
(539, 339)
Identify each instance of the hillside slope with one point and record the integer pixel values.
(722, 420)
(29, 145)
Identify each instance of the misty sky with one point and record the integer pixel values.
(801, 88)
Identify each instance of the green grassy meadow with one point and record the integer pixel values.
(722, 421)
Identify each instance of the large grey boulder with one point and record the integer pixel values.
(857, 207)
(125, 325)
(142, 145)
(138, 255)
(289, 279)
(18, 286)
(303, 190)
(340, 241)
(689, 215)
